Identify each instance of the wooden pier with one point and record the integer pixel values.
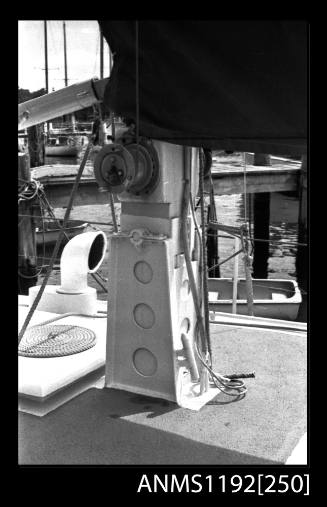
(282, 176)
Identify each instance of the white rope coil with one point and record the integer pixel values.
(56, 340)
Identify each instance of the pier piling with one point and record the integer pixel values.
(36, 147)
(261, 219)
(302, 250)
(27, 257)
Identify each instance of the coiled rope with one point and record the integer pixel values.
(46, 340)
(56, 341)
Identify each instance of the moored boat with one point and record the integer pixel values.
(48, 234)
(62, 146)
(272, 298)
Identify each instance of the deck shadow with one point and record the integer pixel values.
(112, 427)
(92, 430)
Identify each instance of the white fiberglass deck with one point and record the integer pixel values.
(96, 425)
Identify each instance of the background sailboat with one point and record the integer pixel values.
(63, 145)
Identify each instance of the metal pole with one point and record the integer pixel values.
(101, 56)
(46, 57)
(46, 65)
(302, 251)
(247, 268)
(65, 53)
(261, 221)
(67, 100)
(235, 277)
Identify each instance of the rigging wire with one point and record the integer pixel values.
(137, 92)
(212, 217)
(284, 243)
(224, 384)
(200, 245)
(230, 386)
(204, 257)
(184, 234)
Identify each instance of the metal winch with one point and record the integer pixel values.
(127, 166)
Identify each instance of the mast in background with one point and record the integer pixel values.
(46, 66)
(102, 127)
(72, 116)
(46, 57)
(65, 53)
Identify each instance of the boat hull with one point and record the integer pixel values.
(273, 298)
(50, 234)
(62, 151)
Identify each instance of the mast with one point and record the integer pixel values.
(72, 116)
(46, 65)
(46, 57)
(65, 53)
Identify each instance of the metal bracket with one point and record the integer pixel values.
(138, 236)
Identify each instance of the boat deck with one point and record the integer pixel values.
(96, 425)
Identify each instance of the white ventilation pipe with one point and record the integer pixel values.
(83, 254)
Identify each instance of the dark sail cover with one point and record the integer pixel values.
(233, 85)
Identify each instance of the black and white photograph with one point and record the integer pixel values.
(163, 249)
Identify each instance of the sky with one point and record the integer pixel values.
(83, 53)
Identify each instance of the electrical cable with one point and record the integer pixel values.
(200, 244)
(229, 385)
(184, 233)
(204, 258)
(224, 384)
